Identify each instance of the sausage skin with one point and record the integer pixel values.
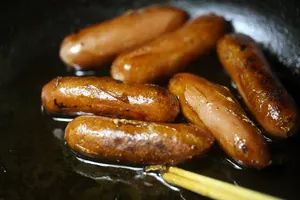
(170, 53)
(214, 106)
(261, 90)
(98, 45)
(136, 141)
(108, 97)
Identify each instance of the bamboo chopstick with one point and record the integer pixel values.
(207, 186)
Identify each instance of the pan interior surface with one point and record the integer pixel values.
(34, 161)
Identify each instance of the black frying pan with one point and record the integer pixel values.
(35, 164)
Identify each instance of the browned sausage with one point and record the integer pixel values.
(136, 141)
(108, 97)
(169, 53)
(215, 107)
(97, 45)
(261, 90)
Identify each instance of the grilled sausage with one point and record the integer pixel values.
(136, 141)
(108, 97)
(170, 53)
(97, 45)
(261, 90)
(214, 106)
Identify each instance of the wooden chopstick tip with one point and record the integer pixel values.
(156, 168)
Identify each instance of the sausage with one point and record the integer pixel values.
(261, 90)
(214, 106)
(108, 97)
(136, 141)
(170, 53)
(98, 45)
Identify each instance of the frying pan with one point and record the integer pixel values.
(34, 162)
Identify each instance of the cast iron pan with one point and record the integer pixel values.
(34, 162)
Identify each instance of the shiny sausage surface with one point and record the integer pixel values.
(214, 106)
(170, 53)
(261, 90)
(136, 141)
(98, 45)
(108, 97)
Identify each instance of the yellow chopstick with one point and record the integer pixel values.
(210, 187)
